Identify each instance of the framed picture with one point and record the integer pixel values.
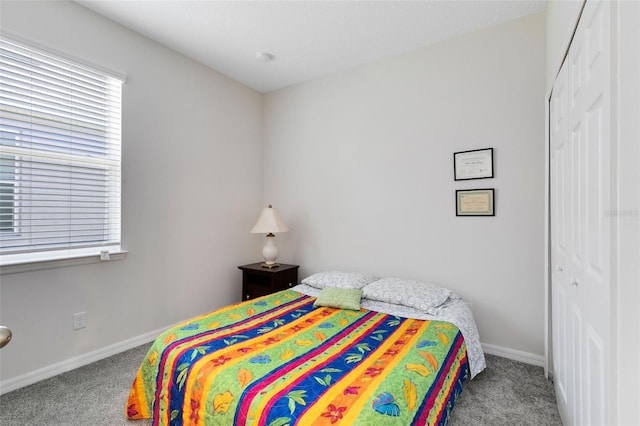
(475, 164)
(475, 202)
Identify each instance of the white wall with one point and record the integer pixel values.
(360, 164)
(562, 16)
(192, 174)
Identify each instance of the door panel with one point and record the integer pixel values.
(580, 232)
(561, 319)
(595, 378)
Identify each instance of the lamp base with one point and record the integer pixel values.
(269, 265)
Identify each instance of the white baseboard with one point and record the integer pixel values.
(79, 361)
(525, 357)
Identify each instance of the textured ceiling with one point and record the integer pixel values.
(308, 39)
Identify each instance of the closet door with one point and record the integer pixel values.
(580, 228)
(565, 309)
(567, 295)
(589, 123)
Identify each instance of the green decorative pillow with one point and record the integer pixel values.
(343, 298)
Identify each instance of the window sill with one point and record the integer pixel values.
(11, 264)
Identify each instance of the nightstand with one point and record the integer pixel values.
(258, 281)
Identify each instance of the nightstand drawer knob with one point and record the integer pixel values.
(248, 296)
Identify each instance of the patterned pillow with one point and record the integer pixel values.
(343, 298)
(339, 279)
(415, 294)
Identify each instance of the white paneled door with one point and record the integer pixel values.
(561, 301)
(580, 134)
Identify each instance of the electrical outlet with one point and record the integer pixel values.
(79, 320)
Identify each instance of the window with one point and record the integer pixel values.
(60, 153)
(7, 193)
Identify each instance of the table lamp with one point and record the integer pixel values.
(269, 223)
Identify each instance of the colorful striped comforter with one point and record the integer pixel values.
(279, 360)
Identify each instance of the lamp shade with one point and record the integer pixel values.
(269, 222)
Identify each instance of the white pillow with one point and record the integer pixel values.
(339, 279)
(415, 294)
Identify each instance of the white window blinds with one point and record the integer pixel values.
(59, 153)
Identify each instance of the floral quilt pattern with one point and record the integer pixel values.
(279, 360)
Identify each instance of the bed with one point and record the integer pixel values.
(341, 348)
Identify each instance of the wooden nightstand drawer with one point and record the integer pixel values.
(258, 281)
